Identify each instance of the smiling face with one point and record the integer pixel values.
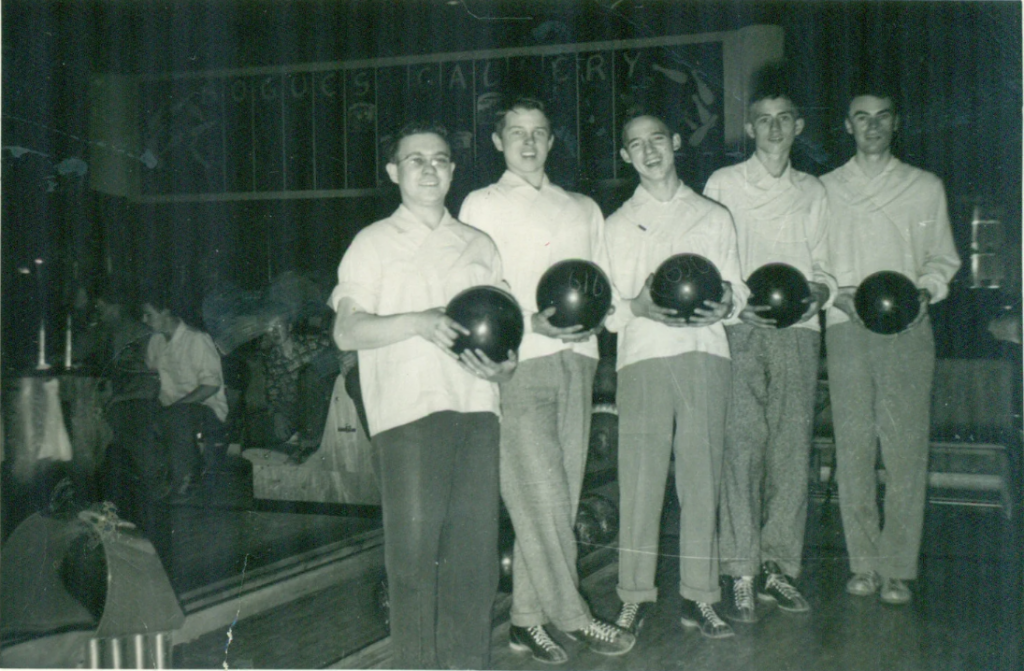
(773, 124)
(650, 147)
(160, 321)
(525, 140)
(422, 169)
(872, 121)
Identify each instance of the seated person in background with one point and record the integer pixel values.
(121, 354)
(192, 399)
(300, 373)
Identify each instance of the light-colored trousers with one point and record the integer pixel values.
(768, 436)
(545, 430)
(880, 390)
(671, 406)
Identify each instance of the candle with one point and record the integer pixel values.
(41, 364)
(67, 345)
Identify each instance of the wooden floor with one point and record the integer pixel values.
(966, 613)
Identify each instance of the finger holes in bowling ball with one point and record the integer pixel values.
(579, 291)
(683, 282)
(887, 302)
(781, 288)
(493, 318)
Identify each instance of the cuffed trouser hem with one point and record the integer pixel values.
(704, 596)
(538, 619)
(637, 595)
(739, 570)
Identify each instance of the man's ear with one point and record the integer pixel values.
(895, 122)
(749, 128)
(677, 141)
(798, 126)
(625, 155)
(496, 139)
(849, 125)
(392, 171)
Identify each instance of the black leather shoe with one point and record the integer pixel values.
(775, 586)
(703, 616)
(536, 640)
(738, 602)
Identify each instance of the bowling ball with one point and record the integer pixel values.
(587, 528)
(886, 302)
(493, 318)
(782, 288)
(506, 546)
(683, 282)
(604, 440)
(383, 600)
(606, 512)
(578, 290)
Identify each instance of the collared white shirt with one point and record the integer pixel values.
(646, 231)
(780, 219)
(534, 229)
(186, 361)
(399, 265)
(894, 221)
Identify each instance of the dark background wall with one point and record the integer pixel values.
(957, 66)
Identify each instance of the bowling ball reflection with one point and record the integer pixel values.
(887, 302)
(493, 318)
(578, 290)
(783, 289)
(684, 281)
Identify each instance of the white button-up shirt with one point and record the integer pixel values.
(534, 229)
(186, 361)
(646, 231)
(780, 219)
(399, 265)
(894, 221)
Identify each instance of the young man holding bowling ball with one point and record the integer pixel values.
(433, 417)
(887, 215)
(781, 216)
(673, 379)
(546, 407)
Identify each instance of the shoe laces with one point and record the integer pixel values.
(628, 615)
(602, 630)
(540, 636)
(779, 582)
(710, 615)
(743, 593)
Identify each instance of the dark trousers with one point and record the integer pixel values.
(177, 428)
(439, 488)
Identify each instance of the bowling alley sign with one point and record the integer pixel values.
(320, 130)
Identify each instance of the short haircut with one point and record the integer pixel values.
(634, 113)
(874, 88)
(116, 293)
(522, 103)
(414, 128)
(158, 294)
(769, 83)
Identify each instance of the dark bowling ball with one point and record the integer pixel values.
(886, 302)
(384, 600)
(782, 288)
(494, 320)
(606, 512)
(684, 281)
(506, 546)
(578, 290)
(604, 440)
(587, 528)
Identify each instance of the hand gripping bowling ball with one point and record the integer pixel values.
(886, 302)
(579, 291)
(683, 282)
(493, 318)
(782, 288)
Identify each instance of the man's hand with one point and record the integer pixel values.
(435, 326)
(924, 297)
(712, 311)
(844, 302)
(643, 306)
(751, 314)
(479, 364)
(539, 322)
(818, 297)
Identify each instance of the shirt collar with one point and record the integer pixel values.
(408, 222)
(642, 197)
(855, 168)
(512, 180)
(757, 172)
